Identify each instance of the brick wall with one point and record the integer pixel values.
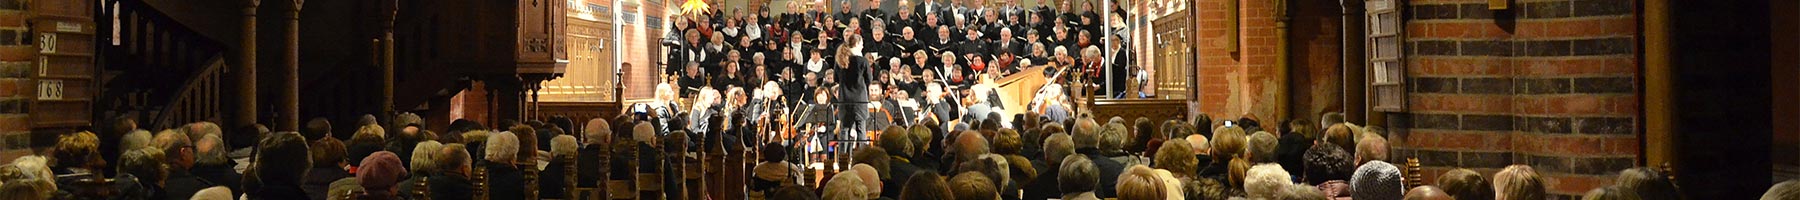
(16, 86)
(1547, 83)
(1237, 80)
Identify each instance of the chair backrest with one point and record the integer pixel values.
(421, 189)
(570, 185)
(481, 186)
(625, 147)
(1414, 175)
(605, 172)
(531, 181)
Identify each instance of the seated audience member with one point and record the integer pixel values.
(1227, 144)
(1426, 193)
(1140, 183)
(347, 188)
(1087, 141)
(794, 192)
(451, 182)
(1606, 193)
(212, 164)
(1789, 189)
(179, 150)
(328, 165)
(1205, 189)
(1517, 182)
(1078, 179)
(1465, 184)
(1202, 152)
(899, 147)
(278, 174)
(1340, 134)
(551, 184)
(846, 186)
(973, 185)
(77, 159)
(1647, 183)
(1177, 157)
(31, 189)
(504, 178)
(379, 174)
(596, 138)
(926, 185)
(1260, 148)
(214, 193)
(877, 162)
(1056, 147)
(1266, 181)
(1371, 149)
(1300, 192)
(1297, 137)
(1326, 162)
(423, 167)
(140, 175)
(1376, 180)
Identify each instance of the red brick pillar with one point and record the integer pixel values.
(245, 113)
(288, 99)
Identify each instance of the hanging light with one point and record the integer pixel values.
(694, 7)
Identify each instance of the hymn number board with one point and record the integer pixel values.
(63, 35)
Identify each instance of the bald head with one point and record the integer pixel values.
(1427, 193)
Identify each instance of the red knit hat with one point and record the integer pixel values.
(380, 171)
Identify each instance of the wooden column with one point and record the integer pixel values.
(245, 113)
(288, 100)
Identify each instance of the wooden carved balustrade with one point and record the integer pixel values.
(158, 65)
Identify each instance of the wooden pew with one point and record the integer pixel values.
(1414, 173)
(626, 148)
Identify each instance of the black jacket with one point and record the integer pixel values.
(587, 165)
(182, 185)
(1045, 186)
(280, 192)
(505, 182)
(221, 175)
(1109, 172)
(550, 181)
(445, 186)
(899, 171)
(318, 181)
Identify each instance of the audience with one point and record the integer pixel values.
(1378, 180)
(846, 186)
(1079, 178)
(452, 179)
(505, 180)
(1518, 182)
(278, 174)
(973, 185)
(1266, 181)
(1465, 184)
(1427, 193)
(328, 165)
(925, 186)
(379, 175)
(1141, 183)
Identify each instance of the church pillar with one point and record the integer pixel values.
(387, 57)
(288, 102)
(245, 112)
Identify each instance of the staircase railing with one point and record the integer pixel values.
(157, 66)
(198, 99)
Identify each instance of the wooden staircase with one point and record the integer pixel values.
(155, 69)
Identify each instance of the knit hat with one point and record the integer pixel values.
(380, 171)
(1376, 180)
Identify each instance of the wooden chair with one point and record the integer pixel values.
(570, 176)
(694, 170)
(626, 148)
(1414, 176)
(733, 179)
(650, 175)
(480, 181)
(530, 173)
(421, 189)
